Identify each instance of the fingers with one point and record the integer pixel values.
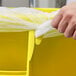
(69, 30)
(63, 24)
(67, 25)
(65, 21)
(57, 20)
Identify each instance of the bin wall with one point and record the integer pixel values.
(13, 51)
(54, 57)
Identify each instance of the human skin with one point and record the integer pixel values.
(65, 20)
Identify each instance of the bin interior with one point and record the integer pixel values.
(13, 53)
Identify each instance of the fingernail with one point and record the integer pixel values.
(66, 35)
(74, 38)
(60, 30)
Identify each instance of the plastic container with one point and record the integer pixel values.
(51, 56)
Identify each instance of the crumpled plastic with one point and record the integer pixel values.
(25, 19)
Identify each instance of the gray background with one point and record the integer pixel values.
(15, 3)
(39, 3)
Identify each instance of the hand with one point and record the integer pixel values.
(65, 21)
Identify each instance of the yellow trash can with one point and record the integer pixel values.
(54, 56)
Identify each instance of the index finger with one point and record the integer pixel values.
(57, 19)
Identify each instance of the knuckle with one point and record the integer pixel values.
(54, 24)
(73, 22)
(63, 9)
(68, 14)
(61, 30)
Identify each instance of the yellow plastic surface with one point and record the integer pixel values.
(13, 53)
(16, 49)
